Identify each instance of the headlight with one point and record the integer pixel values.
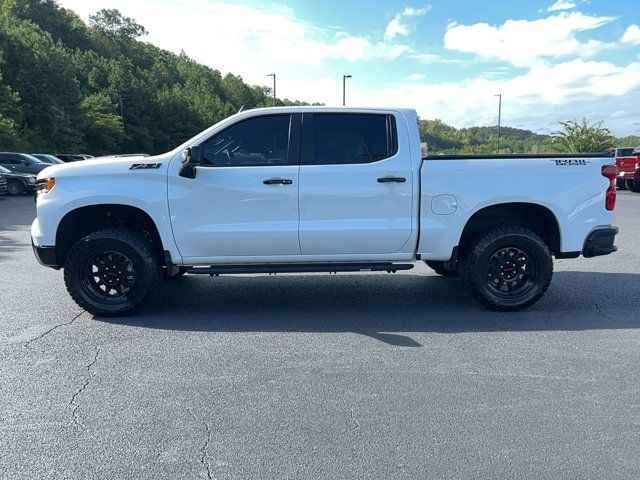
(45, 185)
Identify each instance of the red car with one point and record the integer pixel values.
(628, 163)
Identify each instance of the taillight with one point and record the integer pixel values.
(611, 172)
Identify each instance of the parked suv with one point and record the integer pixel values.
(21, 162)
(68, 157)
(628, 162)
(46, 158)
(18, 182)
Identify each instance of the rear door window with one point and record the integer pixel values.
(349, 138)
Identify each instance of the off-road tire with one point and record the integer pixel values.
(441, 268)
(130, 244)
(476, 267)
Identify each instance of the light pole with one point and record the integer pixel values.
(274, 87)
(344, 86)
(499, 95)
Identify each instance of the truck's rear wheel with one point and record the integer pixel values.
(111, 271)
(509, 268)
(621, 183)
(442, 268)
(633, 185)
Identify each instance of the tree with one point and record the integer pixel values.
(582, 137)
(112, 22)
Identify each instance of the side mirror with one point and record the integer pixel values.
(191, 158)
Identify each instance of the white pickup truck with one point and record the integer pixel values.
(316, 189)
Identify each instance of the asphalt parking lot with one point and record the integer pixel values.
(318, 376)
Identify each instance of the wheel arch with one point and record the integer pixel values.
(535, 216)
(83, 220)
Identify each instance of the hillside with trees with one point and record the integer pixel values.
(66, 86)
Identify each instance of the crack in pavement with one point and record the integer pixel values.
(353, 418)
(204, 455)
(55, 327)
(90, 375)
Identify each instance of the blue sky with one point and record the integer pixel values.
(551, 60)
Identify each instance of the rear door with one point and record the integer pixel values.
(356, 188)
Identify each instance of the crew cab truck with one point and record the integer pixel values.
(317, 189)
(628, 163)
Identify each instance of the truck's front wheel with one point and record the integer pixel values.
(509, 268)
(111, 271)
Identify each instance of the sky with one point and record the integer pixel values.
(550, 60)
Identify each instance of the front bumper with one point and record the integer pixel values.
(46, 256)
(600, 242)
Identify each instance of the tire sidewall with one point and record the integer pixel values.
(89, 248)
(17, 186)
(539, 255)
(633, 185)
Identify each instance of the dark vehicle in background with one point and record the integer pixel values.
(3, 184)
(122, 155)
(628, 163)
(46, 158)
(76, 157)
(21, 162)
(18, 183)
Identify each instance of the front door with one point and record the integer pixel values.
(244, 199)
(356, 188)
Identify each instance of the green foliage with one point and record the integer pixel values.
(583, 137)
(443, 138)
(70, 87)
(629, 141)
(111, 22)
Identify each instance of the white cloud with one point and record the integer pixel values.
(561, 5)
(427, 57)
(536, 99)
(399, 26)
(525, 43)
(245, 40)
(310, 62)
(631, 35)
(414, 77)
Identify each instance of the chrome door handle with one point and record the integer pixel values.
(278, 181)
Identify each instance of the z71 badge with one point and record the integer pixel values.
(570, 161)
(144, 166)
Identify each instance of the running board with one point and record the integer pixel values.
(300, 268)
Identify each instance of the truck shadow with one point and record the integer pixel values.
(384, 307)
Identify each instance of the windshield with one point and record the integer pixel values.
(33, 159)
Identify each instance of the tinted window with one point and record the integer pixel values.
(352, 138)
(260, 141)
(624, 152)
